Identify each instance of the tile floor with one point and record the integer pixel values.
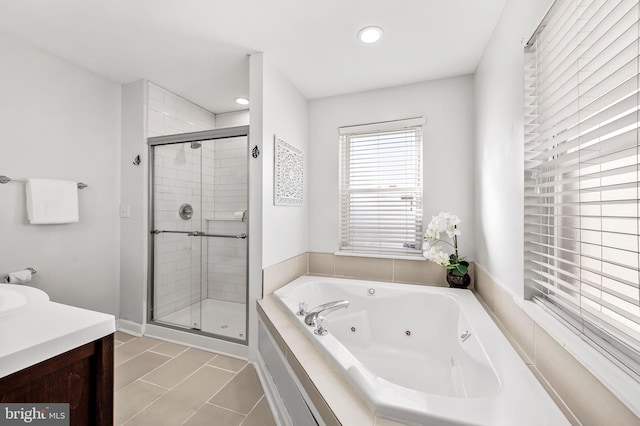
(161, 383)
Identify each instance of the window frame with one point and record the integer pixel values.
(551, 257)
(352, 241)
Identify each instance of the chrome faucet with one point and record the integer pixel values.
(325, 308)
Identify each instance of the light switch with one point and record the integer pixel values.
(125, 210)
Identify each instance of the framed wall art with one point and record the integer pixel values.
(288, 175)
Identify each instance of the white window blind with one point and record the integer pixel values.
(581, 172)
(381, 188)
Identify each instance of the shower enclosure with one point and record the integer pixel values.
(198, 232)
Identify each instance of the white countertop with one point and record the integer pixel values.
(43, 329)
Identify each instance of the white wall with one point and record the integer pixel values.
(499, 169)
(284, 232)
(255, 198)
(60, 121)
(447, 106)
(133, 190)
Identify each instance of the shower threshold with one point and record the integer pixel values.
(218, 317)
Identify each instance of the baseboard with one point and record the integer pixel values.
(130, 327)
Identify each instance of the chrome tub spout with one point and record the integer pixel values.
(324, 309)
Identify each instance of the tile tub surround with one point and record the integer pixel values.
(583, 399)
(581, 396)
(319, 378)
(163, 383)
(332, 396)
(419, 271)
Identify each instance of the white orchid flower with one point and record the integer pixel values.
(437, 256)
(443, 222)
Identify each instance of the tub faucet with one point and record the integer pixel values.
(323, 309)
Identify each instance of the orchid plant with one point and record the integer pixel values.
(444, 222)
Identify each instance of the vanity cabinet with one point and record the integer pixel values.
(82, 377)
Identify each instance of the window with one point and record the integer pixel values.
(581, 173)
(381, 188)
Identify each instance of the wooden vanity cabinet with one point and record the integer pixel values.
(82, 377)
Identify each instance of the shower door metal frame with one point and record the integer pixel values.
(224, 133)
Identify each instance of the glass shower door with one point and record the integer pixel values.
(199, 227)
(177, 217)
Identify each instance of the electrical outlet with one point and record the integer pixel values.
(125, 210)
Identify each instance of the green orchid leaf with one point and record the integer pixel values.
(461, 269)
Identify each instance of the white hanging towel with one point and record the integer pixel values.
(52, 201)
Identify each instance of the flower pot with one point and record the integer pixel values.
(458, 281)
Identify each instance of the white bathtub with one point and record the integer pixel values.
(402, 349)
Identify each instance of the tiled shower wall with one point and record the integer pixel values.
(170, 114)
(177, 179)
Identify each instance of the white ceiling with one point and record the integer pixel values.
(198, 48)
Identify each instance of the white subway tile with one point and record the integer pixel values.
(155, 92)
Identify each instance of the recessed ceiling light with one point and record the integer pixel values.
(242, 101)
(370, 34)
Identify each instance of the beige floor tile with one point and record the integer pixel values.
(209, 415)
(228, 363)
(170, 349)
(177, 405)
(122, 337)
(132, 399)
(242, 393)
(260, 416)
(137, 367)
(133, 347)
(178, 368)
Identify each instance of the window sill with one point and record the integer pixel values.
(623, 386)
(380, 256)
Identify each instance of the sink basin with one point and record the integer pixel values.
(14, 298)
(11, 299)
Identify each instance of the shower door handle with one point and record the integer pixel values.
(202, 234)
(162, 231)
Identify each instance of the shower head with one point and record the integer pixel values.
(195, 145)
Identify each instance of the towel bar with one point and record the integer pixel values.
(6, 179)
